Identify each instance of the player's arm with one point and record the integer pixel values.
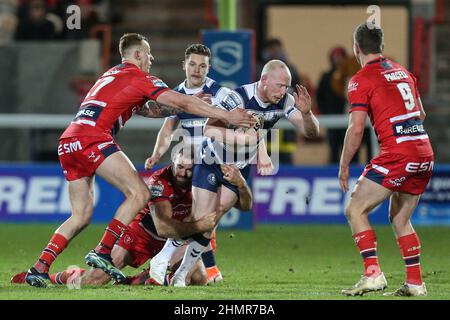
(153, 109)
(167, 227)
(264, 163)
(423, 115)
(162, 141)
(218, 131)
(232, 174)
(195, 105)
(304, 121)
(352, 141)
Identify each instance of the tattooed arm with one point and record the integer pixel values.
(153, 109)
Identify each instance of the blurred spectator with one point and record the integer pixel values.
(33, 23)
(274, 49)
(330, 102)
(339, 82)
(8, 20)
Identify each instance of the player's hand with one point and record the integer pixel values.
(204, 96)
(232, 174)
(343, 177)
(207, 223)
(264, 166)
(302, 99)
(240, 118)
(151, 162)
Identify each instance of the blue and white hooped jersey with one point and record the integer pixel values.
(192, 123)
(245, 97)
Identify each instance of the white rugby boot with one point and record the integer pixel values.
(409, 290)
(366, 284)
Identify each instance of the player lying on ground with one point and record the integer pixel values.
(196, 65)
(388, 93)
(268, 100)
(168, 215)
(87, 148)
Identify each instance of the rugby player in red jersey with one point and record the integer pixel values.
(87, 148)
(168, 214)
(387, 93)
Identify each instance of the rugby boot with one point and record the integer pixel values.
(214, 275)
(409, 290)
(104, 262)
(366, 284)
(37, 279)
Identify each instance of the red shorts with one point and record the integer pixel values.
(81, 156)
(400, 173)
(139, 243)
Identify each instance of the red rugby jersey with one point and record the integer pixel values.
(163, 188)
(113, 99)
(388, 93)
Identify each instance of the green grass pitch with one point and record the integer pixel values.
(271, 262)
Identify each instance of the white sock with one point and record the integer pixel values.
(193, 252)
(169, 249)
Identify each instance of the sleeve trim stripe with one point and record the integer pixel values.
(157, 91)
(359, 105)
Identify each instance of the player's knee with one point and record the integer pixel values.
(139, 195)
(199, 278)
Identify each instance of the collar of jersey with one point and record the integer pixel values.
(193, 90)
(260, 102)
(381, 58)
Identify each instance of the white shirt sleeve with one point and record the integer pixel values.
(289, 106)
(231, 101)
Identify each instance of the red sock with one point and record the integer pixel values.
(410, 247)
(63, 276)
(56, 245)
(367, 244)
(112, 233)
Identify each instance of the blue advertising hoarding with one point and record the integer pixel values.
(39, 193)
(312, 195)
(232, 56)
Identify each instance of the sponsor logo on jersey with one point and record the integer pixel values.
(386, 64)
(89, 112)
(352, 86)
(159, 83)
(409, 127)
(230, 102)
(156, 189)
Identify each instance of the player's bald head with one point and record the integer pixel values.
(130, 42)
(275, 67)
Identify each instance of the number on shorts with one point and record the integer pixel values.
(100, 84)
(407, 95)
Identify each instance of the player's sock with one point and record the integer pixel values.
(55, 246)
(112, 233)
(208, 258)
(63, 276)
(410, 248)
(169, 249)
(197, 245)
(367, 244)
